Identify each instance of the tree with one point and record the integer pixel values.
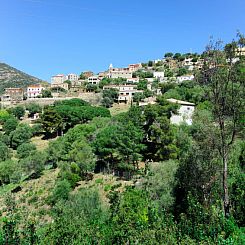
(160, 183)
(4, 115)
(182, 71)
(177, 56)
(138, 97)
(61, 191)
(150, 63)
(142, 85)
(83, 156)
(107, 102)
(33, 163)
(46, 94)
(82, 76)
(25, 149)
(10, 125)
(168, 55)
(227, 94)
(130, 210)
(92, 87)
(18, 111)
(82, 219)
(72, 102)
(4, 152)
(51, 121)
(33, 108)
(22, 134)
(109, 97)
(9, 172)
(168, 73)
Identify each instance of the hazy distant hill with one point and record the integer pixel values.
(11, 77)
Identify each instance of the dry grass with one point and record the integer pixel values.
(119, 108)
(40, 143)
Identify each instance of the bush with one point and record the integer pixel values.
(18, 111)
(34, 163)
(25, 150)
(10, 125)
(4, 152)
(22, 134)
(9, 172)
(61, 191)
(37, 129)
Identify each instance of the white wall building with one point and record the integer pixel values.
(159, 75)
(185, 112)
(58, 79)
(126, 92)
(120, 73)
(72, 77)
(133, 80)
(34, 91)
(94, 80)
(185, 78)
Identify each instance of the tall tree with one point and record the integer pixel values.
(225, 80)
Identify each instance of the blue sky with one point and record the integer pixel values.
(46, 37)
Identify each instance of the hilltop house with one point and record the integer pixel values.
(95, 80)
(134, 67)
(58, 81)
(126, 92)
(72, 77)
(133, 80)
(88, 74)
(13, 94)
(185, 112)
(159, 75)
(119, 72)
(33, 91)
(185, 78)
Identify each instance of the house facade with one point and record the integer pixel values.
(13, 94)
(185, 112)
(72, 77)
(159, 75)
(58, 79)
(185, 78)
(95, 80)
(125, 92)
(34, 91)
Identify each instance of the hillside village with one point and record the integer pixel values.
(138, 83)
(132, 155)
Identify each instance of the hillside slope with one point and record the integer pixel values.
(11, 77)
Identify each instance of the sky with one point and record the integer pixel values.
(49, 37)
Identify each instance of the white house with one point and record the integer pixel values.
(159, 75)
(58, 79)
(133, 80)
(34, 91)
(120, 72)
(185, 78)
(94, 80)
(125, 92)
(185, 112)
(72, 77)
